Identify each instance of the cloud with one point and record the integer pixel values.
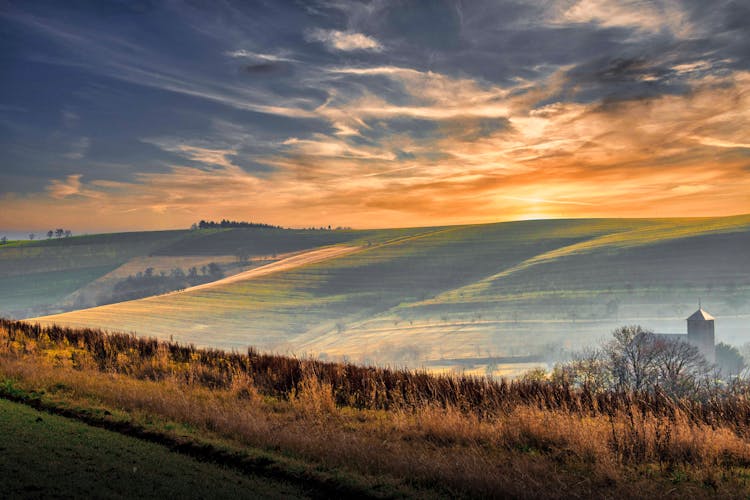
(78, 148)
(719, 143)
(646, 17)
(346, 41)
(258, 56)
(69, 118)
(70, 186)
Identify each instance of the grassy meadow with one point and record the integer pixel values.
(328, 429)
(63, 274)
(422, 296)
(45, 455)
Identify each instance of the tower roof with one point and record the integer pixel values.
(700, 315)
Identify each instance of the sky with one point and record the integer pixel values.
(126, 115)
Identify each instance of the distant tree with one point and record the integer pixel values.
(3, 240)
(679, 366)
(243, 256)
(632, 357)
(224, 223)
(729, 360)
(214, 270)
(59, 232)
(149, 272)
(50, 233)
(193, 272)
(32, 236)
(68, 233)
(590, 368)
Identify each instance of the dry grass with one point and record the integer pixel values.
(521, 440)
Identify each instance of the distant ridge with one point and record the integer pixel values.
(409, 296)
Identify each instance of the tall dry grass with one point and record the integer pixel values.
(469, 436)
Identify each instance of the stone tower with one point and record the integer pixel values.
(700, 327)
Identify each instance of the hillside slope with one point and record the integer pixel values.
(518, 288)
(56, 275)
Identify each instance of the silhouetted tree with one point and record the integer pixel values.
(203, 224)
(59, 232)
(214, 270)
(50, 233)
(3, 240)
(243, 256)
(729, 360)
(32, 236)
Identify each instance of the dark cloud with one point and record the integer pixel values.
(262, 68)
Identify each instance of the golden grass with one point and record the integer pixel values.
(525, 451)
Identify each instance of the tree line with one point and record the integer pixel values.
(148, 282)
(636, 359)
(204, 224)
(225, 223)
(57, 233)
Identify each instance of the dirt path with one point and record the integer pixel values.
(292, 262)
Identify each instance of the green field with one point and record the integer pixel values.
(410, 297)
(44, 456)
(56, 275)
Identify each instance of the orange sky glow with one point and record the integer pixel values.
(491, 151)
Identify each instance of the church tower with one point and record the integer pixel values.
(700, 327)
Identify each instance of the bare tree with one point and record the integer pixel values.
(632, 357)
(590, 367)
(32, 236)
(636, 359)
(680, 366)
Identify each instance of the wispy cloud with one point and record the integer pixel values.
(344, 40)
(258, 56)
(78, 148)
(649, 17)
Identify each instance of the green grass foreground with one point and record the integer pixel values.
(44, 455)
(334, 430)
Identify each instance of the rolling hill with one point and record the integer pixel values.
(426, 296)
(56, 275)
